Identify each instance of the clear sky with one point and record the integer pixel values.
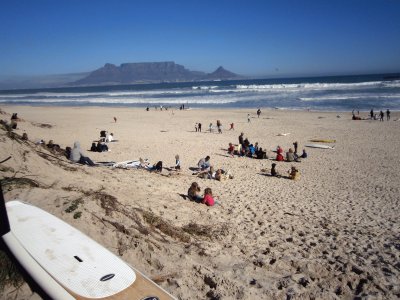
(263, 37)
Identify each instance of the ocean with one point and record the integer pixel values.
(333, 93)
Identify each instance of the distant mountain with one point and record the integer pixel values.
(149, 72)
(221, 73)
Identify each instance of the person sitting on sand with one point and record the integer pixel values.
(177, 163)
(354, 117)
(76, 155)
(260, 154)
(14, 117)
(221, 175)
(252, 150)
(53, 146)
(231, 149)
(193, 193)
(146, 165)
(294, 174)
(204, 163)
(273, 171)
(110, 138)
(290, 155)
(208, 197)
(101, 146)
(279, 156)
(304, 155)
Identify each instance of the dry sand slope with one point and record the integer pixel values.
(332, 234)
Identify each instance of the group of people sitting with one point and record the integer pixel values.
(100, 145)
(294, 173)
(291, 156)
(205, 170)
(245, 148)
(194, 195)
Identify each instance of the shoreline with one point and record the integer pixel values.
(244, 109)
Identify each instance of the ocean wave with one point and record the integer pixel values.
(348, 97)
(116, 101)
(310, 86)
(204, 87)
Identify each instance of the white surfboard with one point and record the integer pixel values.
(69, 265)
(320, 146)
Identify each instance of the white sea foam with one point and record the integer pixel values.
(310, 86)
(349, 97)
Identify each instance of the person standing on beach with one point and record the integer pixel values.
(248, 118)
(232, 126)
(219, 125)
(387, 114)
(258, 112)
(295, 145)
(241, 140)
(196, 127)
(199, 127)
(371, 113)
(381, 115)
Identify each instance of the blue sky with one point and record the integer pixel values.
(271, 38)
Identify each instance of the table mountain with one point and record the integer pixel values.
(149, 72)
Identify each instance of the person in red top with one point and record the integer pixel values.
(231, 149)
(208, 198)
(279, 156)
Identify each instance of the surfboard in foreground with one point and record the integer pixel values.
(319, 146)
(67, 264)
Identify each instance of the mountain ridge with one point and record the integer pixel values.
(149, 72)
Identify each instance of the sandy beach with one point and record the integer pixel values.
(333, 234)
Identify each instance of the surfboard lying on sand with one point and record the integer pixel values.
(323, 141)
(67, 264)
(320, 146)
(283, 134)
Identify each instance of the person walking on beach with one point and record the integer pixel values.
(196, 127)
(248, 118)
(258, 112)
(371, 113)
(232, 126)
(199, 127)
(219, 125)
(381, 115)
(387, 114)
